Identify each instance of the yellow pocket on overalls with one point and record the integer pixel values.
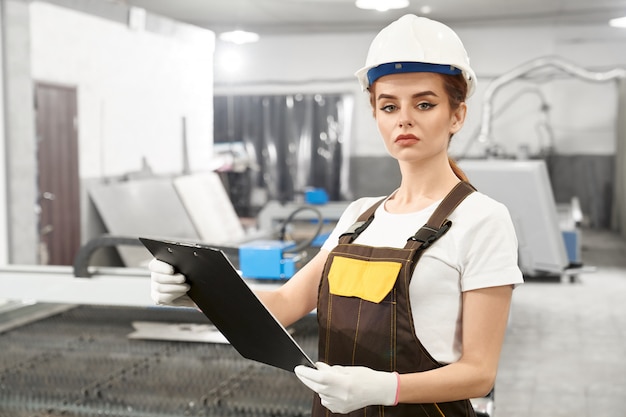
(369, 280)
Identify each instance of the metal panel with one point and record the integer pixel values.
(147, 207)
(209, 207)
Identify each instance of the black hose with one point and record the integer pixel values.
(306, 243)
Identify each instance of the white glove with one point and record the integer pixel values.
(166, 287)
(343, 389)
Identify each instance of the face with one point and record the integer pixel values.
(414, 117)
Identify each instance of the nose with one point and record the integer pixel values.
(405, 117)
(405, 122)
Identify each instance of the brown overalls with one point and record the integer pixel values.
(364, 311)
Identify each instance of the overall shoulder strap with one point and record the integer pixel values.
(361, 223)
(438, 223)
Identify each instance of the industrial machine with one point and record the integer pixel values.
(281, 258)
(524, 187)
(80, 361)
(548, 238)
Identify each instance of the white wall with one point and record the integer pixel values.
(4, 234)
(134, 88)
(582, 115)
(20, 143)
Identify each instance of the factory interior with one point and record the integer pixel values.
(239, 125)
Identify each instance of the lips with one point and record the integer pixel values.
(406, 139)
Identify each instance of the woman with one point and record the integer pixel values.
(412, 318)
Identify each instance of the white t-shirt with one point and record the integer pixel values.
(479, 251)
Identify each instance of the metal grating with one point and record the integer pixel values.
(80, 363)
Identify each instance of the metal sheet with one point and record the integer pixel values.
(147, 207)
(183, 332)
(210, 209)
(15, 314)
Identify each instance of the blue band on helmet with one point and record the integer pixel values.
(400, 67)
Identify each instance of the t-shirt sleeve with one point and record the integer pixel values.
(491, 252)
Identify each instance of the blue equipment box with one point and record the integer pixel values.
(266, 259)
(316, 196)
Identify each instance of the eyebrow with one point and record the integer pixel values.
(416, 95)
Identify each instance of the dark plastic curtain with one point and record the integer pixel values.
(294, 141)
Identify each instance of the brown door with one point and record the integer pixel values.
(58, 178)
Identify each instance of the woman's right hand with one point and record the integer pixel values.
(167, 287)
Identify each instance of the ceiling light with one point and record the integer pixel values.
(426, 9)
(239, 37)
(619, 22)
(382, 5)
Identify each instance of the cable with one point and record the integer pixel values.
(289, 219)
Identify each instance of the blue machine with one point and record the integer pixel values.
(268, 259)
(281, 258)
(316, 196)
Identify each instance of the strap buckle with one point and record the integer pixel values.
(356, 228)
(427, 235)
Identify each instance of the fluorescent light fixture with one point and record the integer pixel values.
(239, 37)
(619, 22)
(381, 5)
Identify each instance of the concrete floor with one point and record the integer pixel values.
(565, 350)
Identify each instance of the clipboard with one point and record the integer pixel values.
(228, 302)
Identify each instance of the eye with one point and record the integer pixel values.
(388, 108)
(424, 105)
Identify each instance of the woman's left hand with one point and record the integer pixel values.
(343, 389)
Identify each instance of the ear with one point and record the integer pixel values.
(458, 118)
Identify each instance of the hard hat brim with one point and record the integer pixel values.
(368, 75)
(402, 67)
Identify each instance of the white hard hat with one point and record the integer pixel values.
(416, 44)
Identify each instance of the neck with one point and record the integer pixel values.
(421, 186)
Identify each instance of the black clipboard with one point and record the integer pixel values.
(228, 302)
